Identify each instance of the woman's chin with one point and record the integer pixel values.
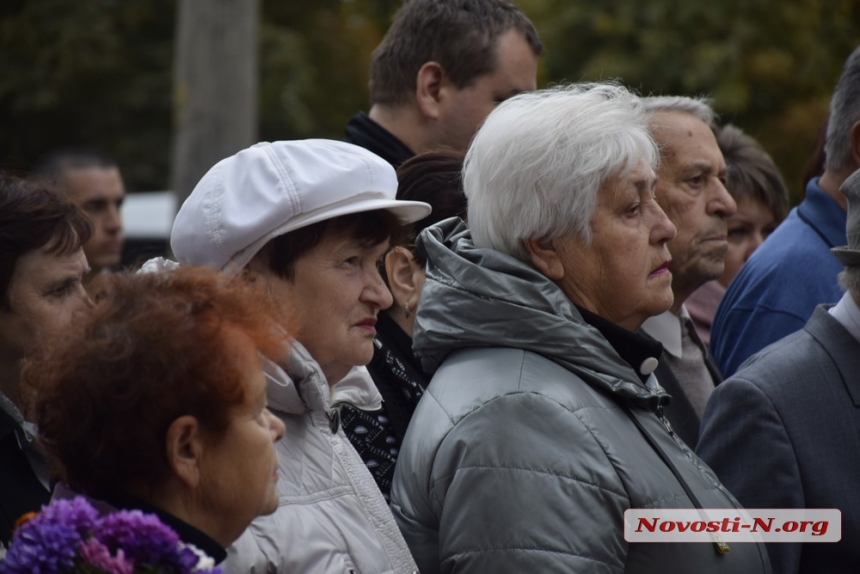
(660, 305)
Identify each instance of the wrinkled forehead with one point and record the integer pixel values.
(683, 138)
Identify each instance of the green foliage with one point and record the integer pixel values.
(314, 67)
(769, 66)
(99, 73)
(88, 74)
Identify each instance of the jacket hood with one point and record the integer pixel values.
(303, 386)
(479, 297)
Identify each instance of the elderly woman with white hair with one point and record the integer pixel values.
(543, 421)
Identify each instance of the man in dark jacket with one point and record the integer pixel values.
(783, 431)
(441, 68)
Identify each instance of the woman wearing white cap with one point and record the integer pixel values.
(310, 221)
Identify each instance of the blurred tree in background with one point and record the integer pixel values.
(87, 73)
(98, 73)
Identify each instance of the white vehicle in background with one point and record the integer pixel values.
(147, 219)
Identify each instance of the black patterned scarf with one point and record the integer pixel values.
(377, 435)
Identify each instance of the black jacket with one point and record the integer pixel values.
(20, 489)
(363, 131)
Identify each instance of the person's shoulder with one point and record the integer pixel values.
(772, 366)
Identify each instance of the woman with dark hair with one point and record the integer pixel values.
(42, 265)
(155, 400)
(434, 178)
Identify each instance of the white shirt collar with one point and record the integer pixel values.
(666, 328)
(848, 314)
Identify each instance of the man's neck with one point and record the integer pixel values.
(830, 183)
(680, 296)
(403, 123)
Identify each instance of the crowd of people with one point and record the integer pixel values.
(467, 339)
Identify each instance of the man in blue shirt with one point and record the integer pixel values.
(793, 271)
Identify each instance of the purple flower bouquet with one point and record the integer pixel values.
(69, 536)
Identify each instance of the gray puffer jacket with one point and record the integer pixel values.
(519, 457)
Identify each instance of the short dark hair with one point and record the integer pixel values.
(369, 227)
(436, 178)
(31, 217)
(59, 163)
(751, 171)
(460, 35)
(814, 165)
(156, 346)
(844, 113)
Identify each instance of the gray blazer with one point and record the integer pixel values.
(784, 432)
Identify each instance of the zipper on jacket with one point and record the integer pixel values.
(720, 545)
(671, 431)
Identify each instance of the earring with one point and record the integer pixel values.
(408, 310)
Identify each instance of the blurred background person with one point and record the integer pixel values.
(768, 299)
(155, 400)
(783, 431)
(433, 178)
(441, 68)
(42, 266)
(93, 183)
(542, 422)
(759, 191)
(310, 223)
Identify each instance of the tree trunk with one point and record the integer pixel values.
(215, 86)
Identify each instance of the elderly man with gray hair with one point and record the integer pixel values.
(542, 423)
(691, 189)
(783, 431)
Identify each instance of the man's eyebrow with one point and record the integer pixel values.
(697, 167)
(96, 202)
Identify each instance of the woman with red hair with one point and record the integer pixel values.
(155, 400)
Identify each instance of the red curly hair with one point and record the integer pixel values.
(155, 347)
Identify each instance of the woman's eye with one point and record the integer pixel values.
(62, 290)
(736, 234)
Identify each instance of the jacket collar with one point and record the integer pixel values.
(842, 347)
(363, 131)
(302, 386)
(479, 297)
(823, 214)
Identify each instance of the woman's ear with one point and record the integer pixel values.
(405, 277)
(184, 445)
(545, 257)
